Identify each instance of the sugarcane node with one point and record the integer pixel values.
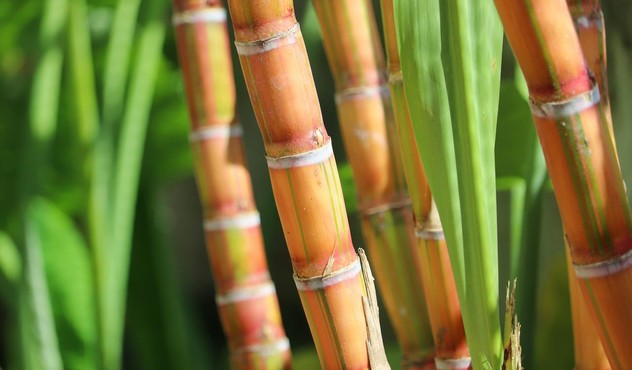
(594, 19)
(395, 77)
(204, 133)
(266, 350)
(319, 137)
(316, 156)
(246, 293)
(453, 363)
(429, 234)
(277, 40)
(323, 281)
(559, 110)
(239, 221)
(194, 16)
(604, 268)
(386, 207)
(354, 93)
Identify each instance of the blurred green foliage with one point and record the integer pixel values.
(93, 145)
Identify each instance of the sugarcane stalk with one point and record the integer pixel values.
(589, 24)
(365, 114)
(304, 178)
(591, 31)
(246, 296)
(581, 157)
(438, 280)
(589, 353)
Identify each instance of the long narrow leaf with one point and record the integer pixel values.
(37, 327)
(451, 75)
(128, 164)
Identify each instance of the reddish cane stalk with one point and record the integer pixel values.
(366, 118)
(581, 157)
(246, 297)
(304, 179)
(589, 353)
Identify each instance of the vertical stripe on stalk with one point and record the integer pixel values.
(257, 105)
(354, 47)
(584, 196)
(607, 136)
(331, 327)
(545, 50)
(332, 201)
(317, 342)
(577, 183)
(602, 225)
(342, 210)
(602, 323)
(296, 213)
(332, 169)
(444, 288)
(333, 38)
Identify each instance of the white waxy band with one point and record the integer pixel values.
(606, 268)
(361, 92)
(284, 38)
(215, 132)
(268, 349)
(429, 234)
(322, 282)
(453, 364)
(212, 15)
(241, 221)
(245, 294)
(316, 156)
(566, 108)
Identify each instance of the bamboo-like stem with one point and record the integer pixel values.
(591, 31)
(356, 59)
(590, 27)
(589, 353)
(438, 280)
(246, 296)
(304, 178)
(580, 154)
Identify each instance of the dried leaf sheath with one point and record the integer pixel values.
(582, 163)
(366, 119)
(246, 296)
(438, 280)
(304, 178)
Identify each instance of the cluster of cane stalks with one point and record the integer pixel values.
(419, 137)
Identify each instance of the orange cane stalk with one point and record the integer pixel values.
(246, 297)
(304, 178)
(578, 145)
(589, 353)
(366, 118)
(439, 285)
